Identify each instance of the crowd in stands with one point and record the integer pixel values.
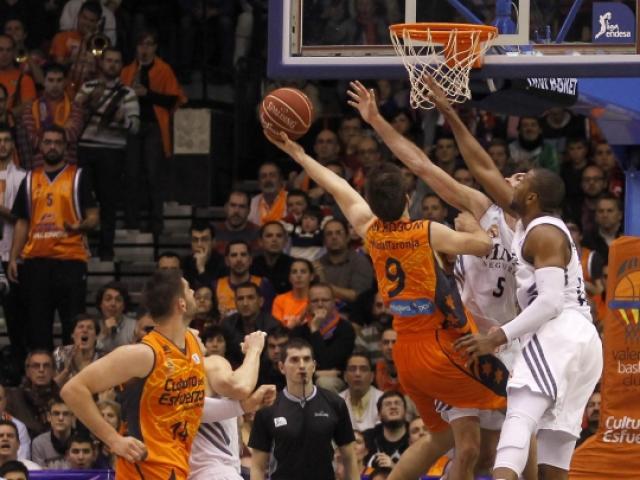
(283, 260)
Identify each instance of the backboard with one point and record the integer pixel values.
(539, 38)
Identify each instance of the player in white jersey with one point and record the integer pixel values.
(215, 452)
(487, 284)
(560, 361)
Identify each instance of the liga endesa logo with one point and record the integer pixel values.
(625, 303)
(613, 23)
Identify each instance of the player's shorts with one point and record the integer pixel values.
(489, 419)
(429, 368)
(146, 470)
(562, 360)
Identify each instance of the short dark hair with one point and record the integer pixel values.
(80, 436)
(54, 67)
(227, 248)
(320, 284)
(386, 471)
(550, 189)
(201, 225)
(297, 343)
(119, 287)
(249, 284)
(147, 32)
(9, 423)
(294, 192)
(86, 316)
(212, 332)
(92, 6)
(389, 394)
(279, 332)
(55, 400)
(237, 191)
(169, 254)
(38, 351)
(308, 263)
(436, 196)
(360, 354)
(582, 140)
(344, 224)
(160, 291)
(13, 466)
(315, 212)
(385, 191)
(611, 197)
(263, 228)
(55, 129)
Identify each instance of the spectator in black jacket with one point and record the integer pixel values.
(609, 225)
(204, 264)
(387, 440)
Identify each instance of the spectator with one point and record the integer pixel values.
(20, 88)
(32, 59)
(577, 154)
(53, 107)
(273, 263)
(434, 209)
(498, 150)
(116, 327)
(113, 111)
(204, 264)
(370, 25)
(349, 273)
(144, 325)
(608, 226)
(48, 449)
(417, 430)
(361, 450)
(463, 176)
(349, 130)
(326, 202)
(81, 454)
(207, 313)
(70, 359)
(270, 373)
(53, 219)
(592, 416)
(361, 396)
(386, 374)
(604, 158)
(593, 186)
(591, 261)
(249, 317)
(297, 202)
(14, 470)
(9, 446)
(326, 147)
(331, 336)
(13, 304)
(446, 153)
(159, 95)
(415, 190)
(236, 225)
(112, 413)
(238, 260)
(386, 441)
(70, 46)
(530, 150)
(168, 261)
(30, 401)
(290, 308)
(69, 18)
(270, 205)
(559, 124)
(306, 238)
(214, 342)
(23, 434)
(368, 154)
(277, 430)
(370, 319)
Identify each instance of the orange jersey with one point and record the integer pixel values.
(52, 203)
(163, 410)
(65, 45)
(10, 78)
(419, 295)
(288, 309)
(226, 294)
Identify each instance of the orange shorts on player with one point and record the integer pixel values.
(429, 369)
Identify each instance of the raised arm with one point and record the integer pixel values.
(467, 239)
(480, 164)
(446, 187)
(354, 207)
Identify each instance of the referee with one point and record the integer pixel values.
(301, 425)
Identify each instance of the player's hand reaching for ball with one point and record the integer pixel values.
(284, 143)
(363, 100)
(264, 396)
(129, 448)
(476, 345)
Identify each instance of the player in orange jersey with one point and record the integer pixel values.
(428, 313)
(164, 392)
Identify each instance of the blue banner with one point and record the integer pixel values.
(613, 23)
(72, 475)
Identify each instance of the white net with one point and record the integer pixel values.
(446, 55)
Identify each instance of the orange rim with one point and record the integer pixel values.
(441, 32)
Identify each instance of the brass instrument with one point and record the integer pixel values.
(22, 55)
(98, 43)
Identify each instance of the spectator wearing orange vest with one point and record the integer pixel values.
(53, 107)
(591, 261)
(55, 208)
(20, 87)
(159, 95)
(289, 308)
(238, 259)
(271, 203)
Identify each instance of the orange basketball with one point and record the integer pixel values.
(286, 110)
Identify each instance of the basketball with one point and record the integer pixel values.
(286, 110)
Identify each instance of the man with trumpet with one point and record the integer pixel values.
(112, 114)
(20, 87)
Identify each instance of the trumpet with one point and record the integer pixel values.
(22, 55)
(98, 43)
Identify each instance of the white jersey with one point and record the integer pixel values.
(487, 285)
(575, 297)
(215, 452)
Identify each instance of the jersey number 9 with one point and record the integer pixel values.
(395, 274)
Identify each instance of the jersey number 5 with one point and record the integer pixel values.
(395, 274)
(499, 290)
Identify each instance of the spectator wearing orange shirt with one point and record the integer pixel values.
(20, 87)
(386, 373)
(289, 308)
(159, 94)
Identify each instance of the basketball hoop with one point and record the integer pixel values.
(444, 51)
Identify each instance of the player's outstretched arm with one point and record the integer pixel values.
(468, 238)
(477, 159)
(121, 365)
(350, 202)
(454, 193)
(236, 384)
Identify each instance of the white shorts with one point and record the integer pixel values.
(489, 419)
(562, 360)
(217, 473)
